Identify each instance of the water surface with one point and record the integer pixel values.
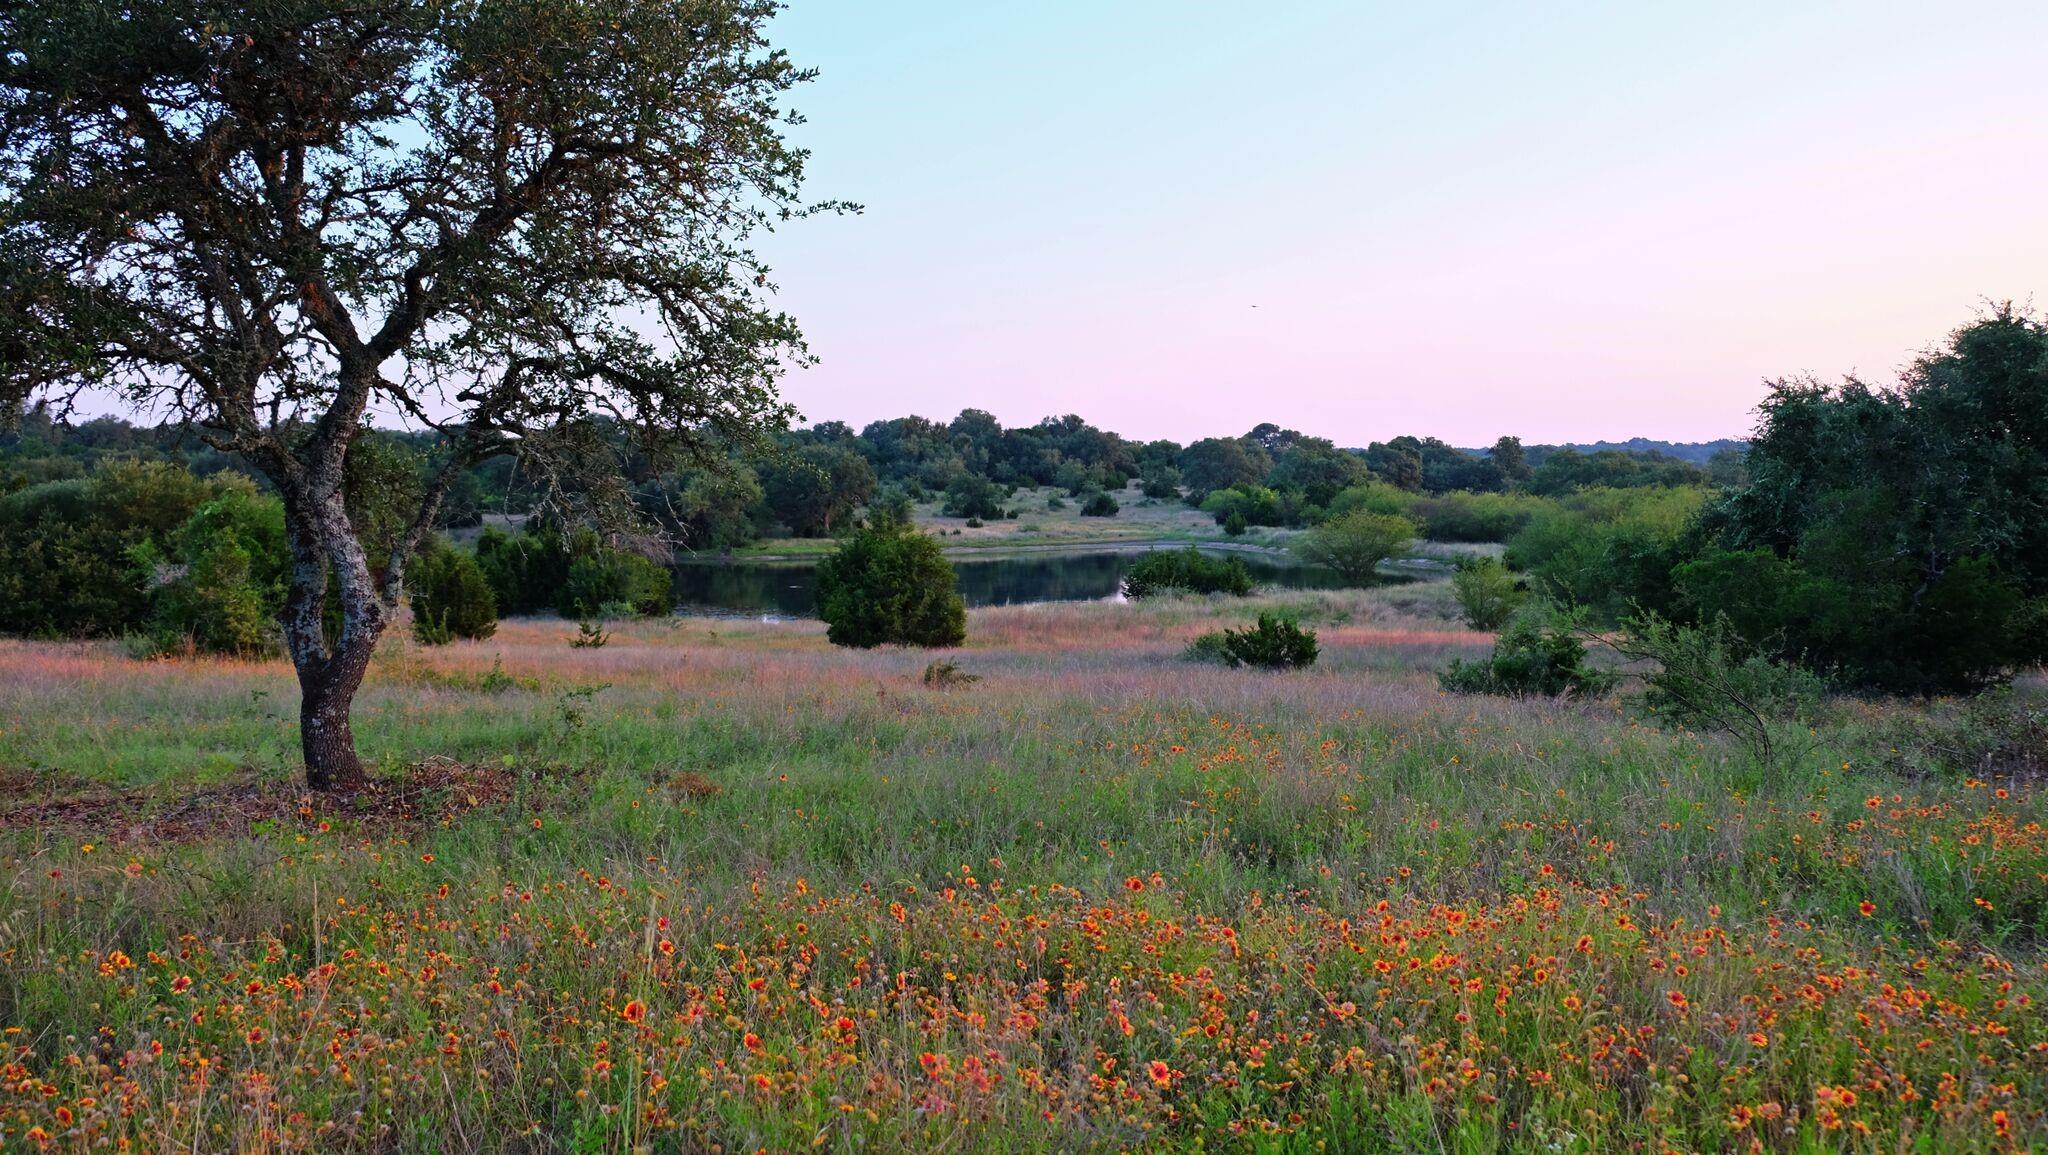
(787, 589)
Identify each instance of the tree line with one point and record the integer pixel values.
(1884, 539)
(809, 482)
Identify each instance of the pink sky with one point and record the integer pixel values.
(1602, 225)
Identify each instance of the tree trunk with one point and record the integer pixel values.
(325, 552)
(325, 737)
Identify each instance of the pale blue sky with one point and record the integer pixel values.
(1559, 221)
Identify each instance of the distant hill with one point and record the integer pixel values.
(1696, 452)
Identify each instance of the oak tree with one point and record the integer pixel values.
(523, 223)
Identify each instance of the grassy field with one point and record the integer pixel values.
(719, 887)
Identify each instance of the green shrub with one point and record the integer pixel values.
(1538, 655)
(220, 580)
(948, 676)
(1354, 544)
(972, 495)
(66, 547)
(1274, 643)
(216, 606)
(1488, 592)
(1055, 502)
(577, 577)
(526, 570)
(884, 587)
(1250, 505)
(1234, 523)
(1099, 504)
(1186, 570)
(1893, 632)
(1707, 679)
(1159, 482)
(450, 598)
(1371, 497)
(1608, 551)
(1209, 649)
(1475, 516)
(605, 579)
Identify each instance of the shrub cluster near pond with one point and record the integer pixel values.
(540, 569)
(1188, 571)
(1475, 517)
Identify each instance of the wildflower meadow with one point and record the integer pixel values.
(716, 886)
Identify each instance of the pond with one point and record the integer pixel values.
(786, 589)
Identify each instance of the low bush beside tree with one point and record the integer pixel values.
(66, 564)
(539, 569)
(219, 581)
(526, 570)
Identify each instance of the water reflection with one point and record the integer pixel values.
(788, 590)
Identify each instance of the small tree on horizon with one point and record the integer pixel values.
(272, 220)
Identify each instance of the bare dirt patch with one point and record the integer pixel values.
(433, 790)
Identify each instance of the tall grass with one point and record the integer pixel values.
(1100, 899)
